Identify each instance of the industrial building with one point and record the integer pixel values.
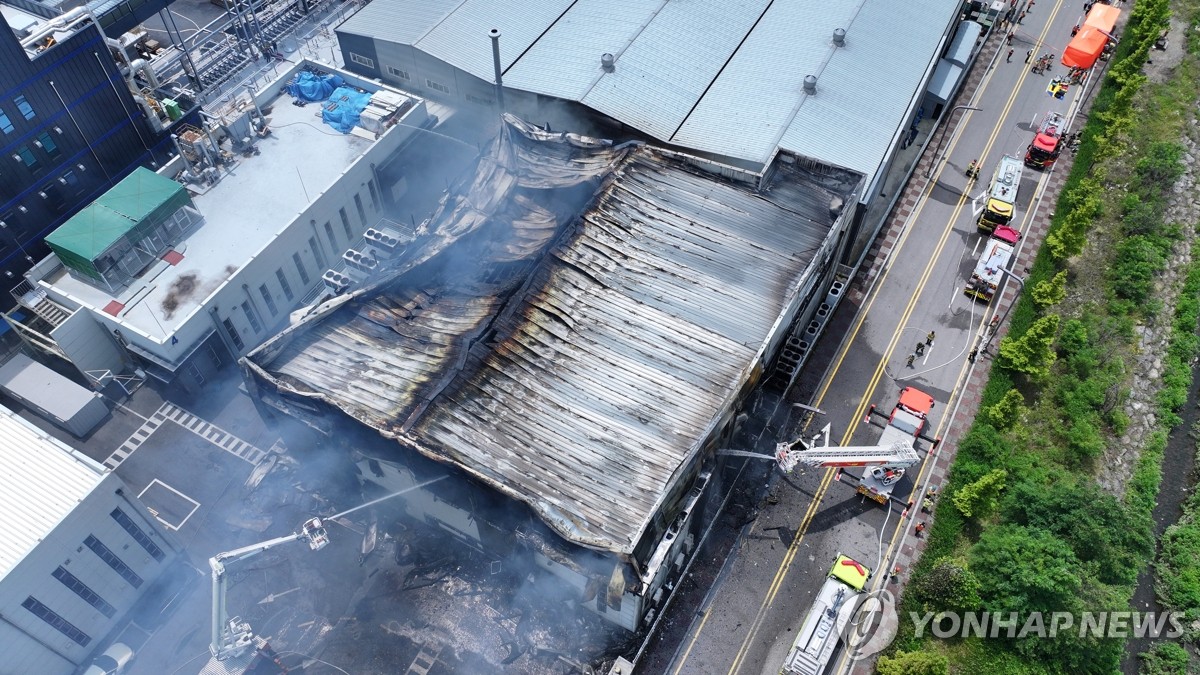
(79, 110)
(78, 551)
(571, 338)
(839, 82)
(171, 274)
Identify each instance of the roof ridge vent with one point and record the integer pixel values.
(839, 37)
(810, 84)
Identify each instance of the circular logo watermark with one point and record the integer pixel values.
(867, 623)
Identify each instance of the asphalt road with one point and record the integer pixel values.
(749, 622)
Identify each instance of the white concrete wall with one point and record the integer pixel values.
(33, 646)
(261, 269)
(88, 345)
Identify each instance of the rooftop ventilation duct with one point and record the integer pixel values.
(810, 84)
(606, 62)
(839, 37)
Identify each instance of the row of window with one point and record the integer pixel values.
(84, 591)
(60, 624)
(23, 107)
(113, 561)
(252, 317)
(138, 534)
(26, 156)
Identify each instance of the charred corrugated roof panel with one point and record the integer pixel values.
(574, 332)
(637, 333)
(387, 350)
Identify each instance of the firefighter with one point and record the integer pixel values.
(920, 348)
(909, 362)
(929, 338)
(973, 169)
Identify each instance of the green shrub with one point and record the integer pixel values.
(1050, 291)
(979, 498)
(913, 663)
(1164, 658)
(1031, 353)
(1007, 411)
(949, 585)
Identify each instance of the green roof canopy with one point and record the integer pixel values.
(142, 198)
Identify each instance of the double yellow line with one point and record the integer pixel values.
(1027, 219)
(826, 479)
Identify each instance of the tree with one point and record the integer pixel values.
(1031, 353)
(1050, 291)
(1007, 411)
(1025, 570)
(1164, 658)
(948, 586)
(913, 663)
(1097, 526)
(979, 498)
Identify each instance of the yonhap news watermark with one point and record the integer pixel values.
(868, 624)
(1121, 624)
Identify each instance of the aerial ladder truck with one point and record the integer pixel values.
(820, 633)
(885, 461)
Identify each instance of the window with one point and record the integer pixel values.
(113, 561)
(346, 225)
(138, 534)
(6, 124)
(48, 144)
(329, 235)
(362, 60)
(268, 299)
(27, 156)
(195, 373)
(374, 194)
(215, 356)
(396, 72)
(60, 624)
(300, 268)
(283, 283)
(233, 334)
(255, 324)
(435, 85)
(81, 589)
(24, 107)
(70, 179)
(317, 253)
(479, 100)
(362, 215)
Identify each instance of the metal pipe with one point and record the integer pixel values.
(179, 150)
(495, 35)
(62, 22)
(144, 66)
(79, 130)
(150, 114)
(122, 102)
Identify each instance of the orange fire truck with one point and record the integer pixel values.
(1047, 143)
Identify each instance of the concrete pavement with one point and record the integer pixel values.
(912, 284)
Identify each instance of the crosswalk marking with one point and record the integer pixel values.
(197, 425)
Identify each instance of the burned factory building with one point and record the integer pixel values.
(569, 340)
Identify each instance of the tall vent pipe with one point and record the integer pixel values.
(495, 35)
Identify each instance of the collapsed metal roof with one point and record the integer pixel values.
(572, 328)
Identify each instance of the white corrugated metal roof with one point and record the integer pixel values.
(717, 76)
(42, 481)
(792, 41)
(462, 37)
(565, 62)
(666, 71)
(864, 91)
(400, 22)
